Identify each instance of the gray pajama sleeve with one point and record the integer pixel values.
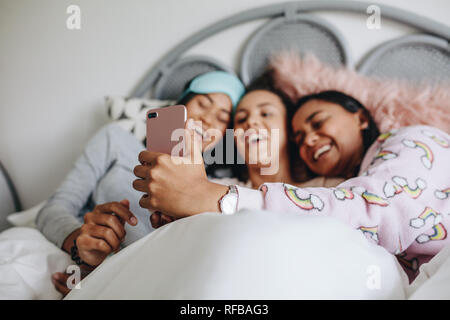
(60, 215)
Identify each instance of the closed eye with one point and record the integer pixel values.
(204, 102)
(317, 124)
(240, 120)
(224, 119)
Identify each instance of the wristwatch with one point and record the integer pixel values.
(229, 202)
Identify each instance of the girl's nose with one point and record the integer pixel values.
(206, 121)
(253, 122)
(311, 139)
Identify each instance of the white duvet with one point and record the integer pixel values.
(250, 255)
(27, 261)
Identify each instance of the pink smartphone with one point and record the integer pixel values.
(161, 124)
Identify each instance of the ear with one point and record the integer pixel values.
(363, 119)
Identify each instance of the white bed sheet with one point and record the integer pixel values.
(250, 255)
(208, 255)
(433, 281)
(27, 261)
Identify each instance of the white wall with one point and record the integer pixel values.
(53, 80)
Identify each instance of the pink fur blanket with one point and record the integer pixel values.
(392, 103)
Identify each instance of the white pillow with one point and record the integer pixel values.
(25, 218)
(130, 113)
(249, 255)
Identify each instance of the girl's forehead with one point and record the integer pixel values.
(222, 100)
(259, 98)
(313, 106)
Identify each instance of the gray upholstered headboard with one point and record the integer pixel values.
(293, 25)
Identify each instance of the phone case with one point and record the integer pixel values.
(161, 124)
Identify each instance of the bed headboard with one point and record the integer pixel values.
(424, 56)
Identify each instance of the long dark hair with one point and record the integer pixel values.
(265, 82)
(350, 104)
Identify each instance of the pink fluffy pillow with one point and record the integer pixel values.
(392, 103)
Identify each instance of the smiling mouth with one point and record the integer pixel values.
(321, 151)
(255, 138)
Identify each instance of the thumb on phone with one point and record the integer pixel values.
(194, 141)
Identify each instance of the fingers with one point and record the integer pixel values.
(144, 202)
(158, 219)
(91, 250)
(166, 219)
(104, 233)
(103, 220)
(147, 157)
(155, 220)
(141, 171)
(59, 280)
(125, 203)
(85, 242)
(118, 209)
(140, 185)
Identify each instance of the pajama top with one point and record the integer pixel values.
(399, 200)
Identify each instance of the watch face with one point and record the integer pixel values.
(229, 203)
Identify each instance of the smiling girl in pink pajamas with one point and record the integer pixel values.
(397, 193)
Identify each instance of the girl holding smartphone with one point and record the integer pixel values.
(83, 216)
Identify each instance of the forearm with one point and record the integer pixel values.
(58, 218)
(56, 223)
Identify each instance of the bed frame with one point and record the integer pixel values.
(293, 26)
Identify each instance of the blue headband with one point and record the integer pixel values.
(217, 82)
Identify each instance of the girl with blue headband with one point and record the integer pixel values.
(212, 98)
(83, 216)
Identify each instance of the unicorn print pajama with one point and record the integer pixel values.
(399, 200)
